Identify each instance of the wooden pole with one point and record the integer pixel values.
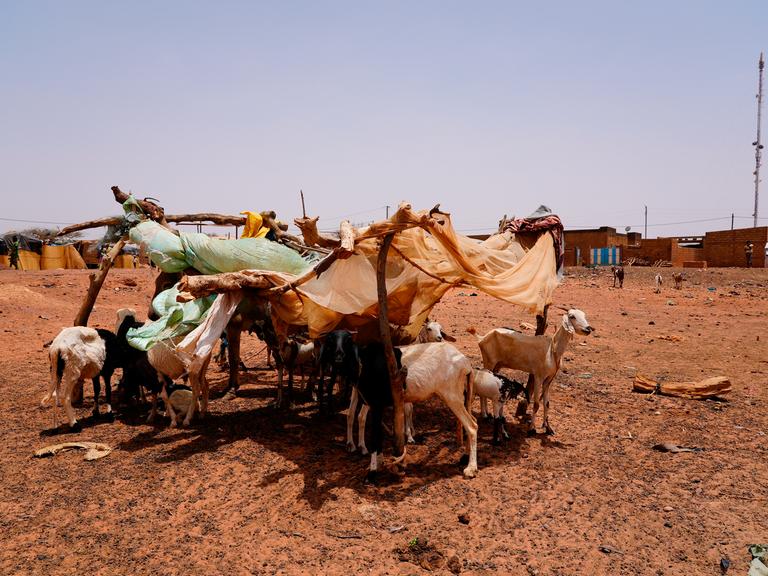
(303, 208)
(96, 281)
(395, 375)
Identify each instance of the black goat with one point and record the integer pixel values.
(340, 358)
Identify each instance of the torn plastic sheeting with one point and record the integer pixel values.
(172, 253)
(176, 319)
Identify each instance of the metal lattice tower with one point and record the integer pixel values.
(757, 144)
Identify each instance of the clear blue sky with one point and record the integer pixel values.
(593, 108)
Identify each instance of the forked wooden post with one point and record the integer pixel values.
(395, 375)
(97, 279)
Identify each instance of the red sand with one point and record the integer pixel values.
(252, 491)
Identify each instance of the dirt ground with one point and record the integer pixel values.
(251, 490)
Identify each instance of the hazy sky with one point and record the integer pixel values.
(593, 108)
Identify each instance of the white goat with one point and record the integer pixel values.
(498, 389)
(296, 356)
(434, 369)
(658, 281)
(537, 355)
(75, 354)
(431, 331)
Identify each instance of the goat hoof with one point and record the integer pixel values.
(76, 427)
(185, 423)
(109, 416)
(464, 460)
(364, 451)
(496, 442)
(173, 424)
(531, 432)
(372, 477)
(470, 472)
(350, 447)
(411, 440)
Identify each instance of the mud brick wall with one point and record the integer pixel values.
(726, 248)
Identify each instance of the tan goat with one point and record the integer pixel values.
(537, 355)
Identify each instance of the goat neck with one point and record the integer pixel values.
(560, 340)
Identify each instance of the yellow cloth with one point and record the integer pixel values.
(253, 225)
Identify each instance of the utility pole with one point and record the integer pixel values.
(645, 235)
(732, 220)
(757, 144)
(387, 211)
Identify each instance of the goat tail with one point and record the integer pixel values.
(472, 330)
(53, 388)
(400, 459)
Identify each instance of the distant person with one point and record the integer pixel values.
(14, 256)
(748, 247)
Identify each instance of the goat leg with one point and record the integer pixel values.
(96, 394)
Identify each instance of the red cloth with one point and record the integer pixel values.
(551, 224)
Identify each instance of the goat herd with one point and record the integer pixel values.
(434, 367)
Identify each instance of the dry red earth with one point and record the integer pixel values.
(253, 491)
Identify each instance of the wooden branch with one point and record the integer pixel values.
(312, 237)
(151, 209)
(315, 272)
(204, 285)
(396, 376)
(96, 280)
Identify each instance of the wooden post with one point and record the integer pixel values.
(541, 327)
(395, 375)
(97, 279)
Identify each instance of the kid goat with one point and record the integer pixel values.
(539, 356)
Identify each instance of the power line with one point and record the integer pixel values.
(37, 221)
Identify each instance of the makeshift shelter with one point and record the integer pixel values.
(30, 251)
(65, 256)
(427, 259)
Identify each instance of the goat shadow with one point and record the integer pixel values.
(314, 445)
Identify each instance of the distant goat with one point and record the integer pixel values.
(618, 274)
(658, 281)
(678, 278)
(536, 355)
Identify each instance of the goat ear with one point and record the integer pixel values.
(567, 324)
(447, 337)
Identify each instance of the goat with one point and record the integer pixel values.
(433, 369)
(431, 331)
(498, 389)
(658, 281)
(537, 355)
(339, 358)
(79, 352)
(618, 274)
(295, 356)
(678, 278)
